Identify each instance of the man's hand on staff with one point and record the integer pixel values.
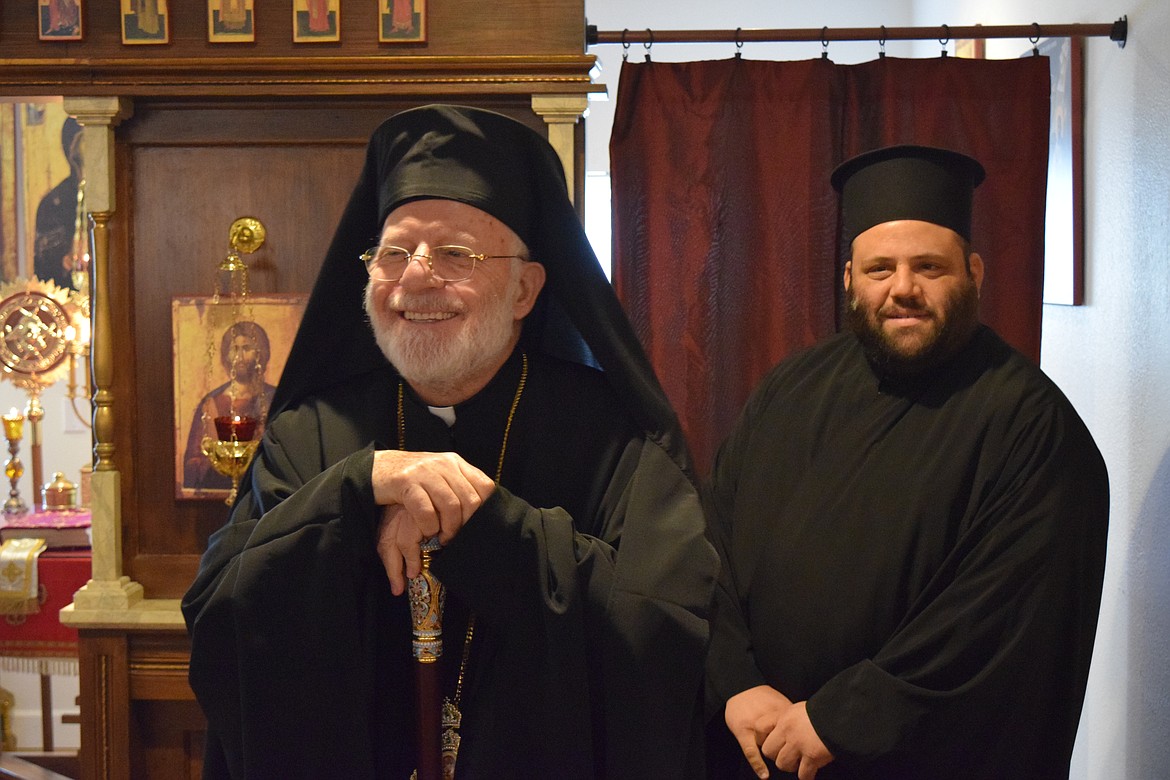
(424, 494)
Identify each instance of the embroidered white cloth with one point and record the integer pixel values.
(18, 576)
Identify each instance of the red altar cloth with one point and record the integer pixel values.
(60, 574)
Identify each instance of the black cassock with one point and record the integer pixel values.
(580, 667)
(920, 561)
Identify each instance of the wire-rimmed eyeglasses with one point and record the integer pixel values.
(446, 263)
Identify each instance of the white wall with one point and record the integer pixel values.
(1110, 356)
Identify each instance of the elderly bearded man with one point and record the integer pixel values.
(500, 403)
(912, 519)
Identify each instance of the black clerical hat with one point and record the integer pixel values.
(480, 158)
(907, 182)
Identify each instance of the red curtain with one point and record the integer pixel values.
(726, 228)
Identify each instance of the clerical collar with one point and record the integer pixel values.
(444, 413)
(487, 404)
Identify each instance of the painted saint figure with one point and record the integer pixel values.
(318, 16)
(54, 255)
(232, 14)
(64, 17)
(401, 15)
(244, 353)
(146, 16)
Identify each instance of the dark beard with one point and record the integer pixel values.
(961, 317)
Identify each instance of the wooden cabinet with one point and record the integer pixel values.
(181, 139)
(138, 715)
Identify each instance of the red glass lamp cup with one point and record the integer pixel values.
(235, 428)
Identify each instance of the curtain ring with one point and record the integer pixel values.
(625, 45)
(1035, 39)
(738, 43)
(825, 42)
(882, 44)
(648, 43)
(945, 39)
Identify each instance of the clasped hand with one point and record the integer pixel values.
(422, 494)
(765, 722)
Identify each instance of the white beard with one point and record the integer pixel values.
(439, 362)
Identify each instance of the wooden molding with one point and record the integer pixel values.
(284, 76)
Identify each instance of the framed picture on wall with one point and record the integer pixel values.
(231, 21)
(60, 20)
(227, 359)
(1063, 221)
(316, 21)
(145, 22)
(402, 21)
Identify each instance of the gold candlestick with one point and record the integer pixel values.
(34, 413)
(14, 469)
(78, 339)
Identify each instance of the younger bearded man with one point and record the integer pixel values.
(912, 520)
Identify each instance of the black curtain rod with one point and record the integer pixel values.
(1117, 31)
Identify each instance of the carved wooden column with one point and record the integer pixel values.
(561, 113)
(108, 589)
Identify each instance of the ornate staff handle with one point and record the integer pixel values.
(426, 610)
